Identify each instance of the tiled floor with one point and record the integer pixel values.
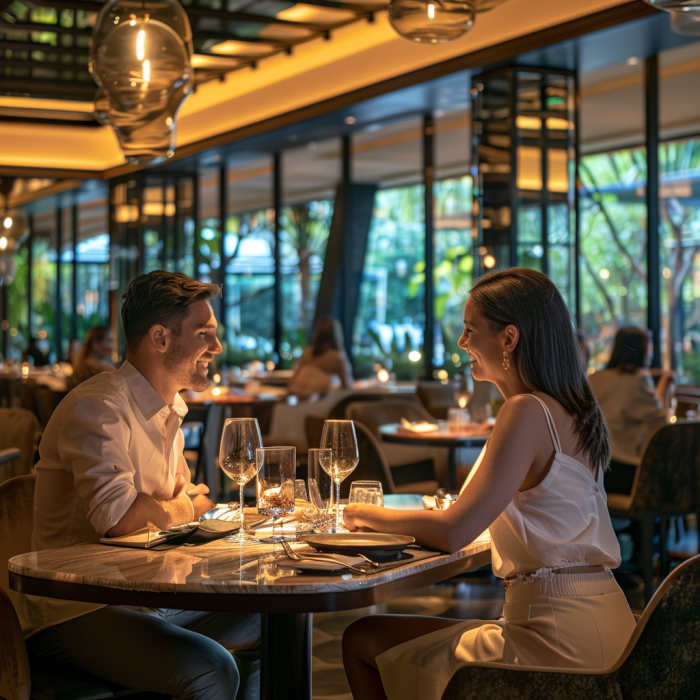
(479, 597)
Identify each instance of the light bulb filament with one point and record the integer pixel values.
(140, 42)
(3, 243)
(8, 222)
(431, 11)
(146, 71)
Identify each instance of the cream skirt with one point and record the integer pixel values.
(564, 621)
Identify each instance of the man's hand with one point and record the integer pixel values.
(201, 505)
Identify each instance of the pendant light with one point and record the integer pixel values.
(431, 21)
(141, 59)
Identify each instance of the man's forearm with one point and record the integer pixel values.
(145, 509)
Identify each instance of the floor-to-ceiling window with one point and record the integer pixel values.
(249, 261)
(612, 172)
(44, 243)
(310, 177)
(453, 234)
(391, 316)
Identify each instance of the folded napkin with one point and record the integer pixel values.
(423, 427)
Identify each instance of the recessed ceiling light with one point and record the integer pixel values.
(349, 120)
(632, 61)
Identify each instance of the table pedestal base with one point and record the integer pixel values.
(285, 672)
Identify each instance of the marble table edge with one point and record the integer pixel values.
(297, 585)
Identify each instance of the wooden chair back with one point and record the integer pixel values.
(20, 429)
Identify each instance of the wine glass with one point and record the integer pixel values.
(277, 468)
(239, 441)
(339, 437)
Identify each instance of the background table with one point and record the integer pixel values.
(222, 577)
(393, 432)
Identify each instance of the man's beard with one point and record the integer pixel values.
(177, 362)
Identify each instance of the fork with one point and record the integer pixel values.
(293, 555)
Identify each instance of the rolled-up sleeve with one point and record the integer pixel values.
(93, 446)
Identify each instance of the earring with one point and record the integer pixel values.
(506, 361)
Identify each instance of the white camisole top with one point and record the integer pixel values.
(561, 522)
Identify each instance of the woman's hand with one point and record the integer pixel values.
(350, 516)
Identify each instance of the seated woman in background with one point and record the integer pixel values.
(95, 356)
(538, 487)
(633, 409)
(323, 360)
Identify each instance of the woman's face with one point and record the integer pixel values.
(485, 347)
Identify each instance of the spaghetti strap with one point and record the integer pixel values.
(550, 423)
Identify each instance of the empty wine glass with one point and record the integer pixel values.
(339, 437)
(275, 484)
(239, 441)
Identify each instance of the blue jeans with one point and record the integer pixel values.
(180, 653)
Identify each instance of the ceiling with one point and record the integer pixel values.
(44, 44)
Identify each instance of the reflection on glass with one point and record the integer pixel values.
(275, 484)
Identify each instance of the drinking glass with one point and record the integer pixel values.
(339, 437)
(237, 458)
(277, 468)
(300, 490)
(320, 487)
(369, 492)
(457, 420)
(464, 388)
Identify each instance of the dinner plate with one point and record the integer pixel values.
(376, 543)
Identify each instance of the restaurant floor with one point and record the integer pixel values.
(478, 596)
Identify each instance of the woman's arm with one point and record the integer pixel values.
(518, 455)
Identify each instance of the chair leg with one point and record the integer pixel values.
(647, 522)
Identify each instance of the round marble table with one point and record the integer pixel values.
(393, 432)
(222, 577)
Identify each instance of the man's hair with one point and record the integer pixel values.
(160, 298)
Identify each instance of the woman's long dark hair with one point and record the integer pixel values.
(328, 335)
(630, 350)
(547, 355)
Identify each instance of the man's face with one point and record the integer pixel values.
(189, 354)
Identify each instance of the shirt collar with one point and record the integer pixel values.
(146, 397)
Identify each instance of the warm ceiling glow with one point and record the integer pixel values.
(8, 222)
(489, 261)
(3, 243)
(431, 11)
(309, 13)
(240, 48)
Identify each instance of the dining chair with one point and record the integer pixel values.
(207, 420)
(436, 397)
(660, 660)
(418, 464)
(666, 484)
(18, 679)
(20, 431)
(46, 401)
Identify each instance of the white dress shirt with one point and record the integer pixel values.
(110, 439)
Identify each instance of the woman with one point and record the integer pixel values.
(633, 409)
(538, 487)
(321, 361)
(95, 356)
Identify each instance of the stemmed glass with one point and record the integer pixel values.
(320, 487)
(339, 437)
(239, 441)
(277, 468)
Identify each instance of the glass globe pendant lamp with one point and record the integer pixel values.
(485, 5)
(674, 5)
(686, 23)
(431, 21)
(140, 58)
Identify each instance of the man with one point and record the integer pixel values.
(111, 461)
